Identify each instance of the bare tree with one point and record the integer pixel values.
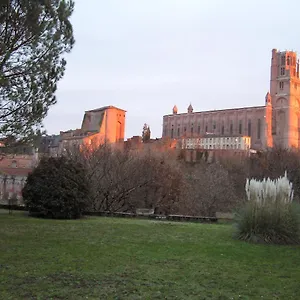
(125, 181)
(210, 189)
(163, 191)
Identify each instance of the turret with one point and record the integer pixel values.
(268, 98)
(190, 109)
(175, 110)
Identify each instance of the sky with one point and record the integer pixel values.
(145, 56)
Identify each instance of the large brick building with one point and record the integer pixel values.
(277, 122)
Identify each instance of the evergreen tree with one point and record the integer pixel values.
(146, 133)
(34, 35)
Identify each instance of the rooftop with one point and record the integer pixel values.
(22, 172)
(218, 110)
(104, 108)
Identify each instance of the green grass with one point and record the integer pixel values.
(106, 258)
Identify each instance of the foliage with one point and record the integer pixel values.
(57, 188)
(107, 258)
(34, 36)
(146, 134)
(270, 216)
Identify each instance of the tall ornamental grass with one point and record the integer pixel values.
(270, 216)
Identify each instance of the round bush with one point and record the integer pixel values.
(57, 188)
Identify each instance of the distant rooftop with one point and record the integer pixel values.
(22, 172)
(104, 108)
(218, 110)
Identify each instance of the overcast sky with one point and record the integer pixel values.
(144, 56)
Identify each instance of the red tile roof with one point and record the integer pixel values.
(15, 171)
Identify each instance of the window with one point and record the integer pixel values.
(231, 128)
(283, 60)
(172, 133)
(178, 132)
(282, 71)
(192, 131)
(288, 60)
(222, 130)
(184, 129)
(249, 127)
(258, 128)
(281, 85)
(214, 125)
(206, 129)
(240, 127)
(199, 128)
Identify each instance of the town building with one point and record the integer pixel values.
(14, 169)
(276, 123)
(99, 126)
(217, 142)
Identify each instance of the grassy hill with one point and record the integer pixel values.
(107, 258)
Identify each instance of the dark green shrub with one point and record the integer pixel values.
(57, 188)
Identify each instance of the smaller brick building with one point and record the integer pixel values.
(14, 169)
(99, 126)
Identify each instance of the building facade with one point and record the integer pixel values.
(99, 126)
(213, 142)
(276, 123)
(14, 169)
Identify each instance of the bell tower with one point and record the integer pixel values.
(285, 96)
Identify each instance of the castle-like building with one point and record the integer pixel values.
(276, 123)
(105, 124)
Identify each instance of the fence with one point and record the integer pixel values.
(178, 218)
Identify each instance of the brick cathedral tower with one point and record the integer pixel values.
(285, 99)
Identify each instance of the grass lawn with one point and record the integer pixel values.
(106, 258)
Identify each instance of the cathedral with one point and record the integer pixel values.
(276, 123)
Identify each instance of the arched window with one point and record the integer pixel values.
(240, 127)
(231, 128)
(249, 127)
(258, 128)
